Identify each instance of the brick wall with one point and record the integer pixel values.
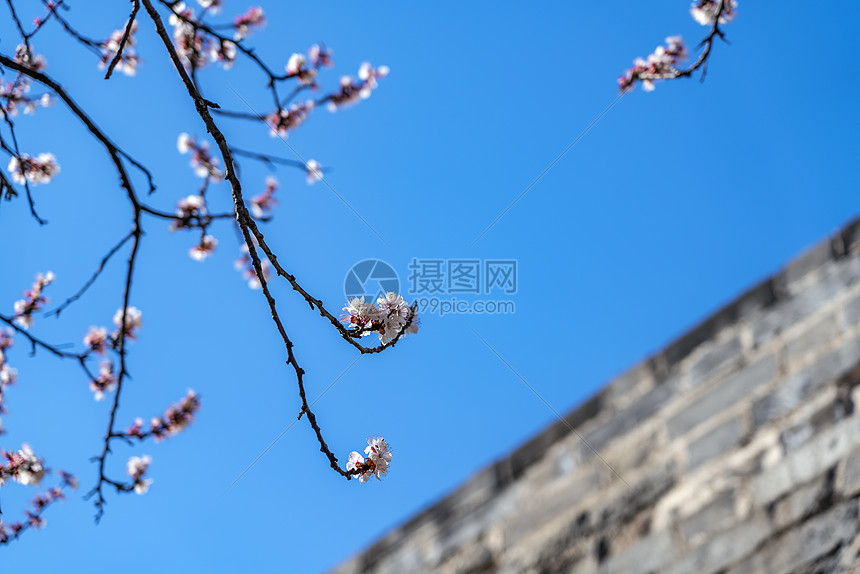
(739, 448)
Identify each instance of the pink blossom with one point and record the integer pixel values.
(253, 18)
(33, 300)
(705, 11)
(352, 91)
(23, 466)
(223, 52)
(262, 204)
(314, 171)
(36, 170)
(105, 382)
(130, 61)
(320, 56)
(212, 6)
(283, 120)
(192, 47)
(177, 417)
(377, 463)
(204, 249)
(188, 208)
(136, 467)
(25, 57)
(201, 160)
(661, 64)
(133, 322)
(96, 338)
(297, 67)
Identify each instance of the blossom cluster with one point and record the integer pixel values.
(33, 300)
(662, 64)
(659, 65)
(314, 171)
(136, 467)
(97, 338)
(244, 23)
(24, 467)
(705, 11)
(36, 170)
(97, 341)
(17, 96)
(202, 162)
(16, 93)
(263, 203)
(285, 119)
(187, 209)
(387, 317)
(175, 419)
(133, 322)
(129, 61)
(25, 57)
(376, 464)
(352, 90)
(39, 504)
(305, 69)
(196, 47)
(105, 382)
(204, 249)
(8, 375)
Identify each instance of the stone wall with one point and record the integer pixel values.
(739, 448)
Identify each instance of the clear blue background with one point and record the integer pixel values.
(676, 202)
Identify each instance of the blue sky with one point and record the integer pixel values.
(673, 204)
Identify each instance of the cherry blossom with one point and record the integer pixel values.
(188, 208)
(297, 67)
(17, 96)
(352, 91)
(33, 300)
(705, 11)
(212, 6)
(105, 382)
(203, 249)
(253, 18)
(396, 313)
(136, 429)
(223, 52)
(378, 460)
(96, 338)
(262, 204)
(283, 120)
(314, 171)
(23, 466)
(36, 170)
(34, 518)
(25, 57)
(659, 65)
(361, 314)
(133, 322)
(136, 467)
(193, 48)
(357, 464)
(8, 375)
(320, 56)
(201, 160)
(177, 417)
(129, 61)
(388, 317)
